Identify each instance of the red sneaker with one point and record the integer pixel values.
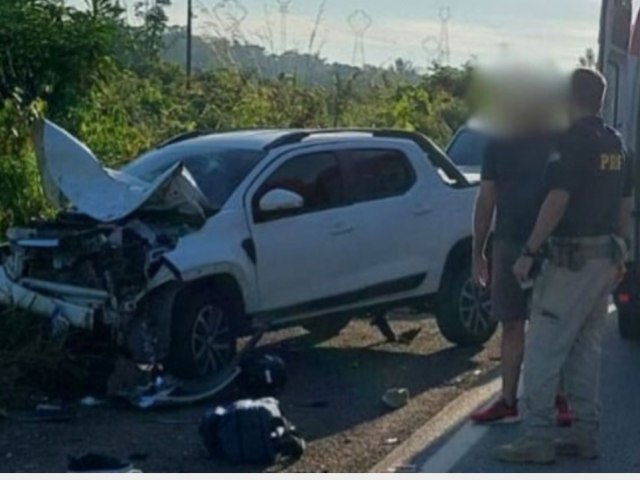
(564, 415)
(499, 412)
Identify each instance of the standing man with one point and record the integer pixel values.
(512, 187)
(585, 216)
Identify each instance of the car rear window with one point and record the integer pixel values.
(468, 147)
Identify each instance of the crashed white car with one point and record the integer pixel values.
(196, 242)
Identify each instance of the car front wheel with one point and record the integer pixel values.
(202, 340)
(463, 311)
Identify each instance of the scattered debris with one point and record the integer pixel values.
(91, 402)
(391, 441)
(97, 463)
(477, 372)
(396, 398)
(262, 376)
(166, 391)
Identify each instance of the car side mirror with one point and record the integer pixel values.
(279, 200)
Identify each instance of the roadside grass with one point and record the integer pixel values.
(32, 364)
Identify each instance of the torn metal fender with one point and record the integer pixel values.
(13, 294)
(72, 176)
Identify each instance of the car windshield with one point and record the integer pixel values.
(467, 149)
(216, 170)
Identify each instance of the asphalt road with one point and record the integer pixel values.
(333, 397)
(469, 448)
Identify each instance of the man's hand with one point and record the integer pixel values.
(621, 272)
(522, 269)
(480, 270)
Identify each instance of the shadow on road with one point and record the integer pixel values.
(340, 388)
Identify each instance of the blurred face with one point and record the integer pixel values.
(575, 111)
(519, 101)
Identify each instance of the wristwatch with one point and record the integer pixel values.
(527, 252)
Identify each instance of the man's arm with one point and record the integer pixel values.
(552, 211)
(483, 216)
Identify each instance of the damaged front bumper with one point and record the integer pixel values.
(75, 306)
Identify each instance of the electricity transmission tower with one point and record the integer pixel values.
(444, 53)
(359, 21)
(230, 14)
(284, 7)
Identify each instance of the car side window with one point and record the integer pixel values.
(377, 174)
(315, 177)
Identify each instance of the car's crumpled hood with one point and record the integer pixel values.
(73, 176)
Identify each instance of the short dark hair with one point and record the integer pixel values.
(588, 88)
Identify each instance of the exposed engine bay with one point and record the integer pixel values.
(118, 259)
(79, 263)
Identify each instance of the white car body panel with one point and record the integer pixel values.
(288, 249)
(213, 250)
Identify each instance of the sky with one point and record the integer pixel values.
(560, 30)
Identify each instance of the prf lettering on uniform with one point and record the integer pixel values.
(611, 161)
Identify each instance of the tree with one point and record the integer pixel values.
(53, 52)
(154, 20)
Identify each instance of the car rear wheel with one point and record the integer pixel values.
(202, 338)
(463, 310)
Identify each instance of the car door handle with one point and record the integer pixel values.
(422, 209)
(341, 228)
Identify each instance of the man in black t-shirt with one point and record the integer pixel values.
(583, 222)
(512, 188)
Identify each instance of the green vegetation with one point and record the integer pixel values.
(116, 87)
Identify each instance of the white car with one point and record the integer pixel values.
(196, 242)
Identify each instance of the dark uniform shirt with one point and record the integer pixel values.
(591, 166)
(517, 166)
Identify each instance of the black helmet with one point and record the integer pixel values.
(262, 376)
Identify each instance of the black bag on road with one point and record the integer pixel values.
(250, 432)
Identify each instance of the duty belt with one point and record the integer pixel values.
(573, 253)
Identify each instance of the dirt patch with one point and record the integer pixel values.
(333, 397)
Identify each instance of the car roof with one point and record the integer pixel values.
(264, 139)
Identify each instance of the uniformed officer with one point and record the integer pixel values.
(581, 225)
